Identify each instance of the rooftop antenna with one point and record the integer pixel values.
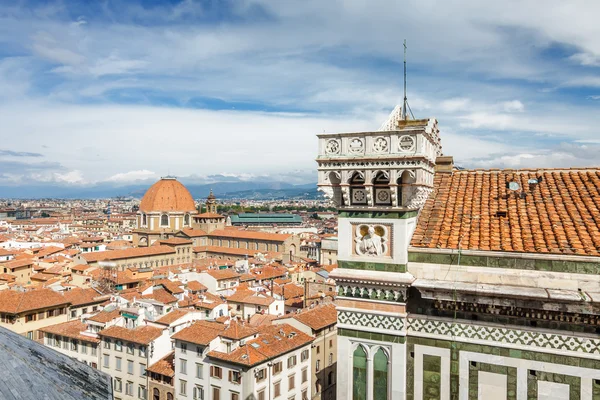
(405, 106)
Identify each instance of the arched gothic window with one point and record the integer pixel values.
(156, 394)
(164, 220)
(359, 374)
(358, 193)
(380, 375)
(186, 220)
(169, 396)
(144, 219)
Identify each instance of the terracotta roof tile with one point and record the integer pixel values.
(195, 286)
(200, 332)
(141, 335)
(476, 211)
(79, 296)
(221, 274)
(240, 234)
(14, 302)
(127, 253)
(106, 316)
(165, 366)
(71, 329)
(171, 317)
(318, 317)
(161, 295)
(272, 342)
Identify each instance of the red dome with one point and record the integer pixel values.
(168, 194)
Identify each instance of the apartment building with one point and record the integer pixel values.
(125, 355)
(27, 312)
(238, 362)
(74, 340)
(319, 322)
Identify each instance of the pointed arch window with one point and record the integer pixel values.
(359, 374)
(380, 375)
(164, 220)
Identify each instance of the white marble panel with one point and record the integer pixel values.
(491, 386)
(552, 391)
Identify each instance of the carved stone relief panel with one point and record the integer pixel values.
(333, 146)
(372, 240)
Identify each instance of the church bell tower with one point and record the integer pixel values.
(378, 181)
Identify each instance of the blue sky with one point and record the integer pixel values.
(123, 91)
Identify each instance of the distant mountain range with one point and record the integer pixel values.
(255, 190)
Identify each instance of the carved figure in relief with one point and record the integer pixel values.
(370, 241)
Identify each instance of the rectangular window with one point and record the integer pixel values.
(291, 382)
(74, 345)
(183, 348)
(305, 394)
(182, 387)
(235, 377)
(199, 371)
(73, 313)
(318, 366)
(198, 393)
(318, 349)
(277, 368)
(142, 393)
(106, 361)
(142, 369)
(291, 361)
(260, 375)
(142, 351)
(261, 395)
(118, 367)
(216, 372)
(107, 344)
(277, 389)
(304, 375)
(183, 366)
(118, 345)
(94, 349)
(83, 348)
(199, 351)
(304, 355)
(118, 386)
(130, 348)
(129, 388)
(235, 396)
(216, 395)
(130, 367)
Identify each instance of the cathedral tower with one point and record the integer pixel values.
(378, 181)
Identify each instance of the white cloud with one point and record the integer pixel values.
(513, 106)
(70, 177)
(132, 176)
(587, 59)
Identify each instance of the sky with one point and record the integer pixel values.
(117, 92)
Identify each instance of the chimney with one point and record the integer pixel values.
(444, 164)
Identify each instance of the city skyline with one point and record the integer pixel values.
(124, 92)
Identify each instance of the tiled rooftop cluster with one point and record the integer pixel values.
(476, 210)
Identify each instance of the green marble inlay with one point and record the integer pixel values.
(457, 347)
(378, 214)
(533, 377)
(579, 267)
(432, 376)
(381, 337)
(372, 266)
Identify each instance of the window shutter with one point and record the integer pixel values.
(212, 371)
(230, 376)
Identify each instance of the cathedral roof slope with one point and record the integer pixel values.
(476, 210)
(34, 371)
(168, 194)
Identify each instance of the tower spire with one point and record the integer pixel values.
(405, 107)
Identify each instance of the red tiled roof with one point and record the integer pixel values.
(161, 295)
(164, 366)
(14, 302)
(208, 215)
(172, 316)
(272, 342)
(224, 250)
(318, 317)
(195, 286)
(239, 234)
(79, 296)
(200, 332)
(221, 274)
(105, 316)
(475, 210)
(71, 329)
(127, 253)
(141, 335)
(189, 232)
